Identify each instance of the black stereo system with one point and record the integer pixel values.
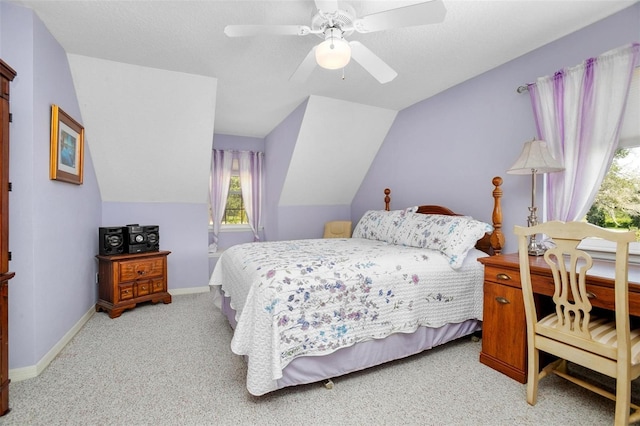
(131, 238)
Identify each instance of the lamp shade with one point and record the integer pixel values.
(333, 53)
(535, 156)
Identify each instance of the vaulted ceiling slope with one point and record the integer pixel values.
(336, 144)
(149, 130)
(254, 92)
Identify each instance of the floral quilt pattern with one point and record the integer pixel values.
(313, 297)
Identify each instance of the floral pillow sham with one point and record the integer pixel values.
(453, 236)
(379, 225)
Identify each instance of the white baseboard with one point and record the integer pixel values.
(190, 290)
(24, 373)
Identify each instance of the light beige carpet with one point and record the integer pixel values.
(171, 365)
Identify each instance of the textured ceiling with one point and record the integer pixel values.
(254, 93)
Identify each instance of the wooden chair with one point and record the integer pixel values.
(337, 229)
(571, 333)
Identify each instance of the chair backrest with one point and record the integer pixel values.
(569, 266)
(337, 229)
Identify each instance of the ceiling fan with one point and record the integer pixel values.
(333, 23)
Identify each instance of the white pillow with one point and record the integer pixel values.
(379, 225)
(453, 236)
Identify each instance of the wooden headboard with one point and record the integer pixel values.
(491, 243)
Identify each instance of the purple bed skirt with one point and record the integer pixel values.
(311, 369)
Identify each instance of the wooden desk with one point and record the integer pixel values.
(504, 334)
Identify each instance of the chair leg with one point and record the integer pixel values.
(532, 375)
(623, 399)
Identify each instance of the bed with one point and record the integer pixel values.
(305, 311)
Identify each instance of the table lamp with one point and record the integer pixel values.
(535, 158)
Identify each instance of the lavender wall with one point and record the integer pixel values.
(183, 231)
(446, 149)
(53, 224)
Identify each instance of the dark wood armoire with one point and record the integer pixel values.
(7, 74)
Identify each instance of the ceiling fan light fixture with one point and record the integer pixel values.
(333, 53)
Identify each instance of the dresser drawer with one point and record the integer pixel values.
(144, 268)
(143, 288)
(125, 291)
(158, 285)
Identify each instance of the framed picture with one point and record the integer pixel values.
(67, 148)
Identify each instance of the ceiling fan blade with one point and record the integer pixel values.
(327, 6)
(305, 68)
(252, 30)
(372, 63)
(430, 12)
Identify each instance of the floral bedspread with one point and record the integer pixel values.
(313, 297)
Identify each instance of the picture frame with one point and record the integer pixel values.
(67, 148)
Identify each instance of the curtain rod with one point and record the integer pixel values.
(522, 89)
(237, 150)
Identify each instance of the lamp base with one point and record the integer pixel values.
(535, 248)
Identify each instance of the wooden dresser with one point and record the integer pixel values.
(6, 76)
(124, 280)
(504, 334)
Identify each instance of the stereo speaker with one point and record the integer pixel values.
(111, 241)
(140, 239)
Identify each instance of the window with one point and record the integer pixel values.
(234, 213)
(617, 204)
(235, 216)
(238, 206)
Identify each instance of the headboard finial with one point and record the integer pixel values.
(387, 199)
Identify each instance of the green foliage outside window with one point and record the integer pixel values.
(617, 204)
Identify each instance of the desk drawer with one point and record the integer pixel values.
(502, 276)
(504, 331)
(600, 296)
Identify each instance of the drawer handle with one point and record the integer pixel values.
(142, 272)
(591, 295)
(502, 300)
(504, 277)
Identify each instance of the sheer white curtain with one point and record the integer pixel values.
(221, 163)
(251, 164)
(579, 111)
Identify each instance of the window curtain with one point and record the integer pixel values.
(221, 163)
(579, 112)
(251, 164)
